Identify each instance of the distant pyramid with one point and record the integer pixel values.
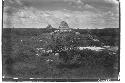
(49, 26)
(63, 25)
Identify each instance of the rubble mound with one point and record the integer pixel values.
(64, 41)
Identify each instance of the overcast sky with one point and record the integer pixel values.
(77, 13)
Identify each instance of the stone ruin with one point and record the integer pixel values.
(63, 25)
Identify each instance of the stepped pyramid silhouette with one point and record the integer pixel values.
(64, 26)
(49, 26)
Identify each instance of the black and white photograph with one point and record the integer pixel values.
(60, 40)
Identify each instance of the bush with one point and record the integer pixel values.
(104, 57)
(88, 57)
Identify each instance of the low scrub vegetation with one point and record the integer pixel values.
(21, 55)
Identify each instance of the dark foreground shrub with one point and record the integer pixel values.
(69, 57)
(88, 57)
(104, 57)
